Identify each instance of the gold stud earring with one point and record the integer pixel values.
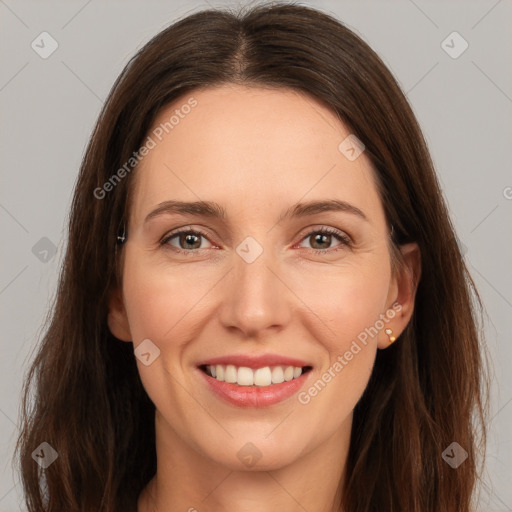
(389, 332)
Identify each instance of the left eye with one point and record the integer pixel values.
(189, 240)
(325, 235)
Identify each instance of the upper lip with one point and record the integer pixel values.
(252, 361)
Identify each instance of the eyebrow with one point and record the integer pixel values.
(214, 210)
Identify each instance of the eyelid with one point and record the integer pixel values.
(325, 229)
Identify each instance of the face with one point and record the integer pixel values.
(240, 298)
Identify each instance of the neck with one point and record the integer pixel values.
(188, 481)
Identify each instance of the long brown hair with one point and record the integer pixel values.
(427, 390)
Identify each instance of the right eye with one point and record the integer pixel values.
(188, 240)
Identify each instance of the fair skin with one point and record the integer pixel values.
(255, 152)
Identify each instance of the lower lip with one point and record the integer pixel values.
(254, 396)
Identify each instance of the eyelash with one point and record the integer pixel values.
(342, 238)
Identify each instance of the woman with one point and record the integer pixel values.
(206, 351)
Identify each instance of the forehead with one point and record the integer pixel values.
(250, 149)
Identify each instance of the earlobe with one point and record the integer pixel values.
(405, 287)
(117, 318)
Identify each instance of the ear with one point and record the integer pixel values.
(402, 294)
(117, 318)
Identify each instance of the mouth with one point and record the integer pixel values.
(253, 382)
(266, 376)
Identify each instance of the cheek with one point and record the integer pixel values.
(157, 300)
(348, 300)
(160, 307)
(348, 303)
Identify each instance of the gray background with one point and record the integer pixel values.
(49, 106)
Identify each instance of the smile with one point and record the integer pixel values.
(261, 377)
(254, 381)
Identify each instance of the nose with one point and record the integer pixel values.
(256, 296)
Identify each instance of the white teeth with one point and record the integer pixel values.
(288, 373)
(277, 375)
(262, 377)
(231, 374)
(245, 376)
